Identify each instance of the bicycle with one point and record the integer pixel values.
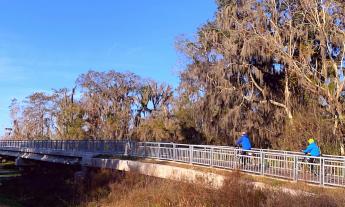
(242, 158)
(308, 165)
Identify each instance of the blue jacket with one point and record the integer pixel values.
(244, 141)
(313, 149)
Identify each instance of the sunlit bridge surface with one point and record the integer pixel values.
(326, 170)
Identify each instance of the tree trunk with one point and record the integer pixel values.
(335, 125)
(287, 96)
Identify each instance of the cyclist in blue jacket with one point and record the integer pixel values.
(244, 141)
(312, 150)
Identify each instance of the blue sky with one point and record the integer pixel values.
(47, 44)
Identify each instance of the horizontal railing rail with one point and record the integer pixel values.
(324, 170)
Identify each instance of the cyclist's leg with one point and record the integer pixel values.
(243, 158)
(311, 161)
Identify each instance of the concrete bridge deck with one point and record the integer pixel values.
(326, 170)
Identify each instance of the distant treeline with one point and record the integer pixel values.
(274, 68)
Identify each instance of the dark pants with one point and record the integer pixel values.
(312, 161)
(243, 159)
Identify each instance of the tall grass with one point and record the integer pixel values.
(55, 186)
(132, 190)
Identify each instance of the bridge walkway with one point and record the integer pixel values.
(326, 170)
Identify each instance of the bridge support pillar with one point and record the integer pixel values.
(81, 175)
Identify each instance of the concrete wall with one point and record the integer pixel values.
(158, 170)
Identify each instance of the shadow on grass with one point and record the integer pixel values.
(43, 185)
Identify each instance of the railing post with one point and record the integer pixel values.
(190, 154)
(126, 149)
(285, 160)
(295, 168)
(132, 148)
(174, 151)
(145, 145)
(101, 147)
(76, 145)
(344, 168)
(86, 145)
(159, 151)
(211, 158)
(262, 160)
(322, 171)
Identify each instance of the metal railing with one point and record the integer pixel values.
(325, 170)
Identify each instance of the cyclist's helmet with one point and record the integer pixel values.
(311, 140)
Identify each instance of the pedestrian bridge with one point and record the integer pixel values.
(327, 170)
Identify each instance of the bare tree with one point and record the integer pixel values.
(15, 116)
(37, 121)
(107, 101)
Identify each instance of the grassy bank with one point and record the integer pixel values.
(7, 202)
(132, 190)
(8, 171)
(54, 185)
(43, 185)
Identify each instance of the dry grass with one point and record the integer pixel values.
(132, 190)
